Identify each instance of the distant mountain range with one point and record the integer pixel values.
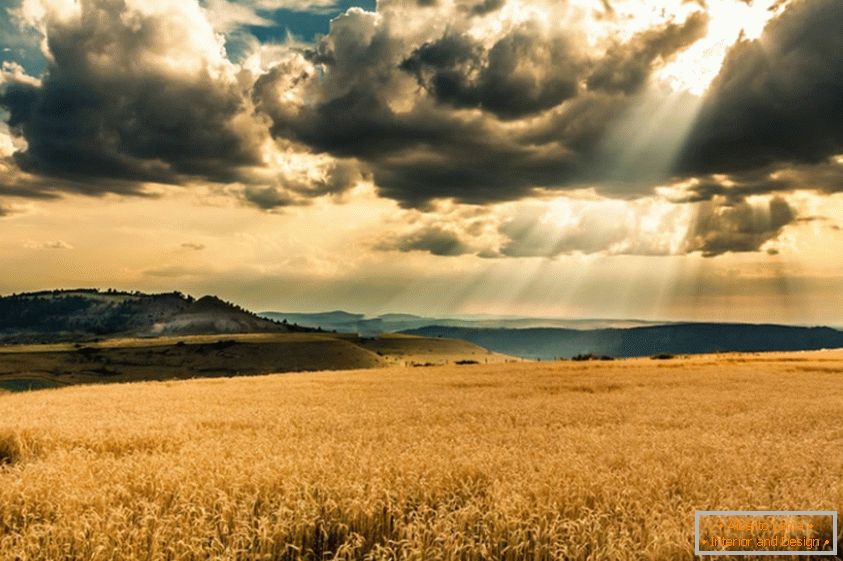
(550, 338)
(90, 314)
(346, 322)
(684, 338)
(76, 315)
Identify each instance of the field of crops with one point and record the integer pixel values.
(568, 460)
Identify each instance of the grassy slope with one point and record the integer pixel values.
(122, 360)
(601, 460)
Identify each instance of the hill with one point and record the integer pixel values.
(24, 367)
(78, 315)
(689, 338)
(325, 320)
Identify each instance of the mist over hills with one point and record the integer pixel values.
(684, 338)
(75, 315)
(550, 338)
(346, 322)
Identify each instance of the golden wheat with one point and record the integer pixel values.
(543, 461)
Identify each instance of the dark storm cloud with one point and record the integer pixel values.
(426, 114)
(431, 147)
(486, 7)
(340, 176)
(778, 100)
(417, 155)
(735, 189)
(430, 239)
(741, 227)
(15, 183)
(103, 119)
(139, 128)
(521, 74)
(824, 177)
(268, 197)
(626, 67)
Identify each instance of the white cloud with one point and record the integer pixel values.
(7, 147)
(226, 16)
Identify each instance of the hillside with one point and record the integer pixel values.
(24, 367)
(577, 461)
(76, 315)
(690, 338)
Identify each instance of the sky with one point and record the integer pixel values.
(667, 160)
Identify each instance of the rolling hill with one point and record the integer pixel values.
(63, 337)
(79, 315)
(24, 367)
(687, 338)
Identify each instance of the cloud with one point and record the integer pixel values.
(595, 225)
(445, 115)
(534, 234)
(626, 66)
(193, 246)
(824, 177)
(591, 224)
(19, 44)
(522, 73)
(743, 227)
(545, 228)
(136, 94)
(778, 100)
(432, 239)
(54, 244)
(312, 179)
(8, 209)
(484, 106)
(130, 96)
(227, 16)
(484, 7)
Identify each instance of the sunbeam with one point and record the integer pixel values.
(694, 69)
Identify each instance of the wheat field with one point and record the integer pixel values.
(528, 461)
